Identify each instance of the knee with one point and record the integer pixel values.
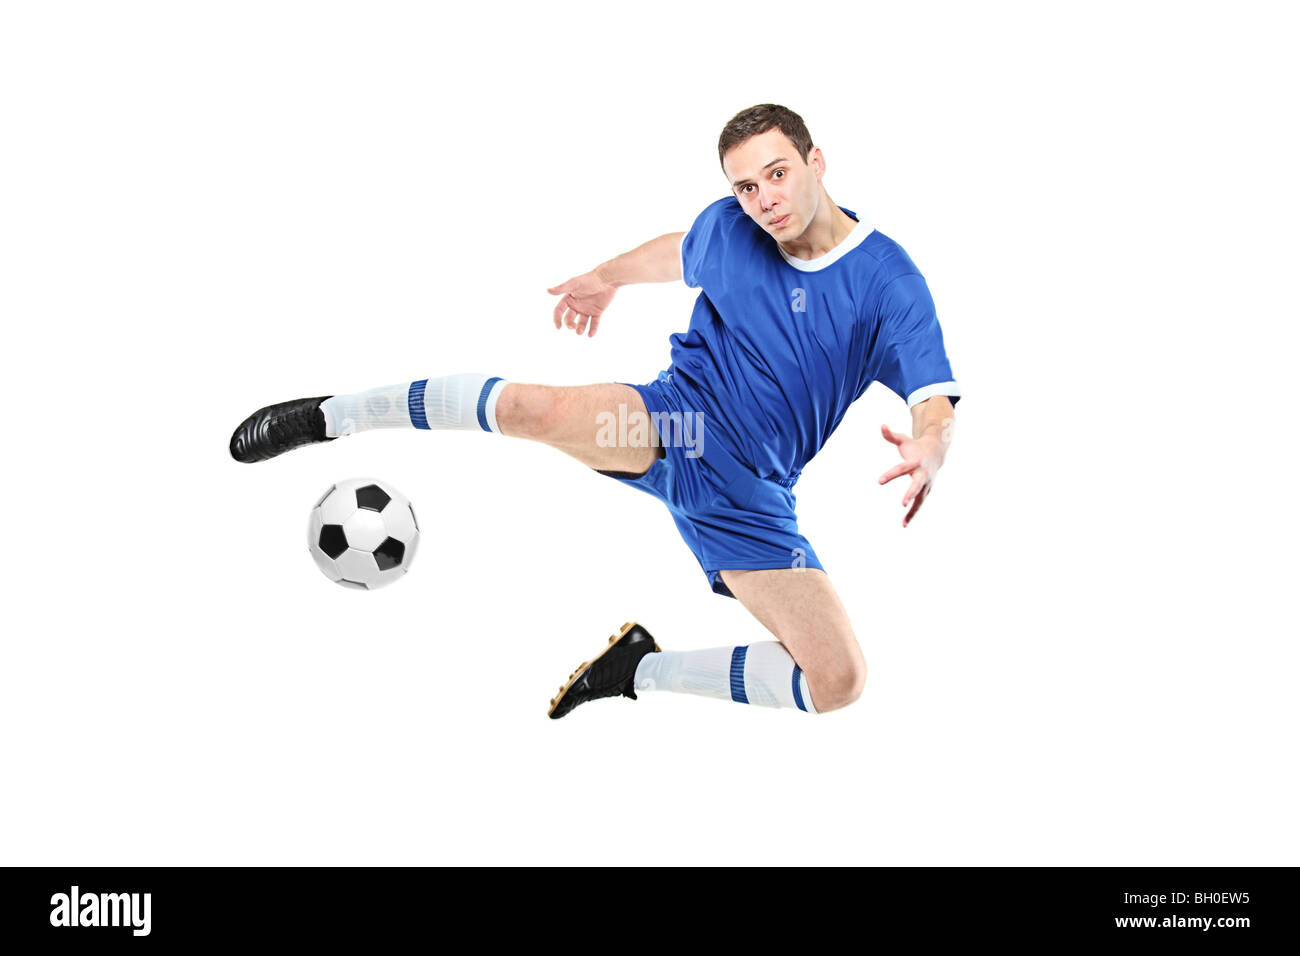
(528, 411)
(839, 685)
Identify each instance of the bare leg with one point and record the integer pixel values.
(802, 610)
(568, 418)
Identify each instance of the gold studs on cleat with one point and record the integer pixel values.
(613, 639)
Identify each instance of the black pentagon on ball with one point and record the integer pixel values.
(372, 498)
(389, 554)
(332, 540)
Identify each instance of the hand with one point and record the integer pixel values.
(922, 459)
(584, 300)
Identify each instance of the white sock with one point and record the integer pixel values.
(763, 674)
(467, 401)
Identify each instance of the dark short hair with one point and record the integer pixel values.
(760, 119)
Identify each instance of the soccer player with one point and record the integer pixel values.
(802, 305)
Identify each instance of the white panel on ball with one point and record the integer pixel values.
(326, 564)
(389, 576)
(313, 527)
(412, 546)
(365, 530)
(339, 506)
(358, 566)
(399, 521)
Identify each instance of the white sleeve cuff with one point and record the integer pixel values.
(949, 389)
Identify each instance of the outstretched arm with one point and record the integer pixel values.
(924, 452)
(659, 260)
(584, 298)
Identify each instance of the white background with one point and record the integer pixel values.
(1081, 652)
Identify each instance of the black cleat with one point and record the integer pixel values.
(276, 429)
(609, 673)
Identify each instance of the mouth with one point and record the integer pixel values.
(777, 223)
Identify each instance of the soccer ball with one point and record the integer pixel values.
(363, 533)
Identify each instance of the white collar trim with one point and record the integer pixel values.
(846, 245)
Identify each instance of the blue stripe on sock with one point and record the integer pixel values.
(798, 697)
(738, 675)
(415, 403)
(482, 403)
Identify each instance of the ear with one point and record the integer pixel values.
(817, 161)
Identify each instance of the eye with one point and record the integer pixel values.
(744, 188)
(782, 171)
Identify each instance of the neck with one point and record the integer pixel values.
(828, 229)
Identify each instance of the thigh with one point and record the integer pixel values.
(803, 611)
(605, 426)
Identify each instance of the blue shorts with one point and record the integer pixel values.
(728, 516)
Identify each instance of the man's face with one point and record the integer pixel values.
(776, 188)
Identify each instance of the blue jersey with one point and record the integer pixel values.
(778, 348)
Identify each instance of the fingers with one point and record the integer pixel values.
(595, 321)
(902, 468)
(894, 437)
(919, 481)
(916, 504)
(575, 320)
(563, 313)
